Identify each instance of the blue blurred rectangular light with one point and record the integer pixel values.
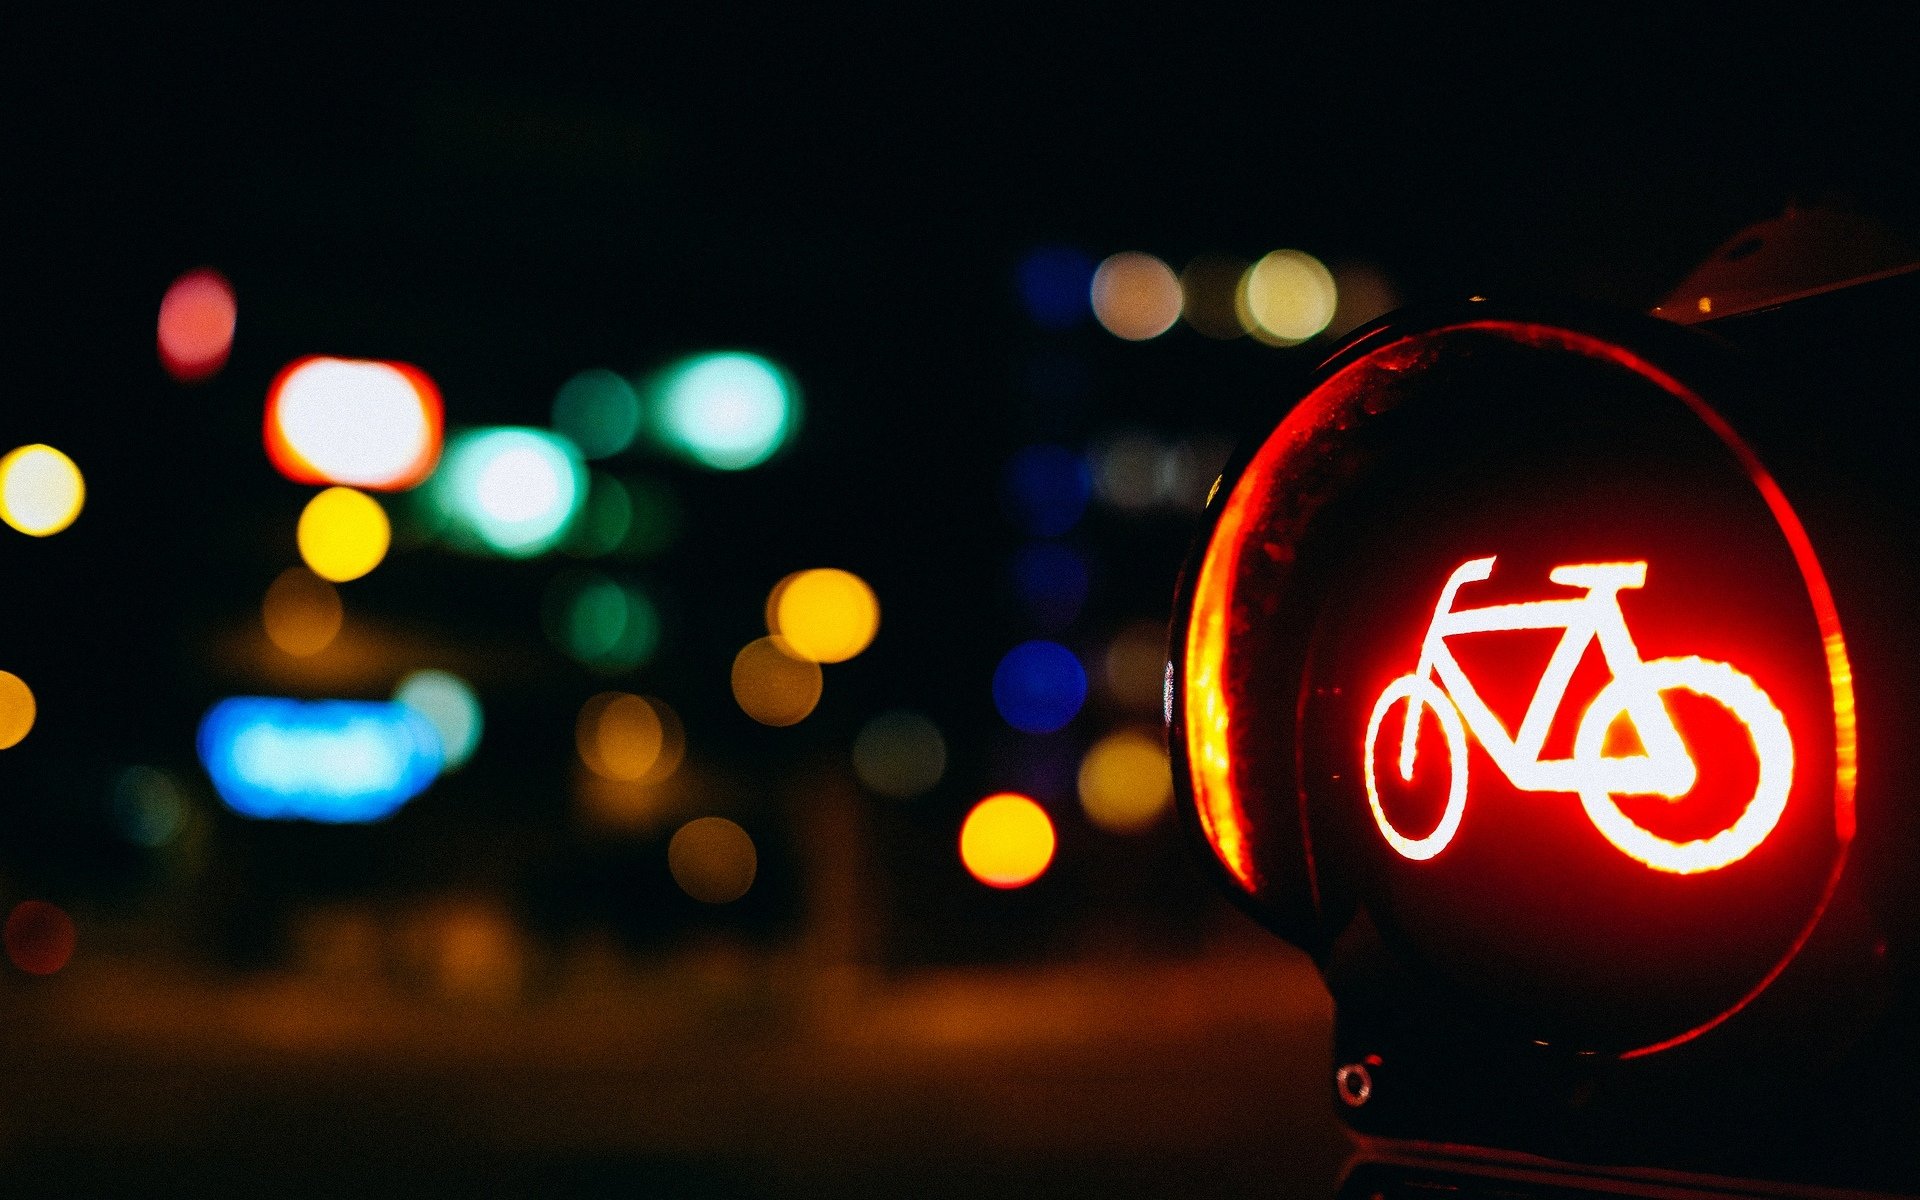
(335, 761)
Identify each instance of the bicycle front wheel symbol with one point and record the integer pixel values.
(1401, 751)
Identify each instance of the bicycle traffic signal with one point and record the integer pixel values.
(1525, 675)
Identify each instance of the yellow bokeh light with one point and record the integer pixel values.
(17, 709)
(41, 490)
(302, 612)
(1125, 783)
(1007, 841)
(343, 534)
(774, 686)
(628, 738)
(713, 860)
(823, 615)
(1286, 298)
(1136, 296)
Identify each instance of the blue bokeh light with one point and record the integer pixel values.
(1039, 686)
(1047, 489)
(1052, 580)
(1056, 286)
(335, 761)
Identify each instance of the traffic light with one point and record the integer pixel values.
(1550, 676)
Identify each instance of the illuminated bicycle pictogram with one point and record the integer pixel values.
(1662, 767)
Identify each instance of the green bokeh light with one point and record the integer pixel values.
(728, 410)
(508, 490)
(599, 411)
(450, 706)
(604, 624)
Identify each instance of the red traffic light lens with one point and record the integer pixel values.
(1506, 640)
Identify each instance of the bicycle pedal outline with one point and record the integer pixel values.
(1664, 766)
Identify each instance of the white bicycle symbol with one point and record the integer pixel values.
(1664, 768)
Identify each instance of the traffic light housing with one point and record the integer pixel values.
(1548, 674)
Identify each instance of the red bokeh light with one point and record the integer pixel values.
(39, 937)
(197, 317)
(359, 423)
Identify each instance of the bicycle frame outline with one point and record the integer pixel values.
(1664, 766)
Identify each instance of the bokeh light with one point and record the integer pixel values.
(40, 937)
(1007, 841)
(1286, 298)
(302, 612)
(773, 685)
(900, 754)
(1129, 470)
(149, 806)
(628, 738)
(713, 860)
(599, 411)
(1207, 289)
(1052, 580)
(1047, 489)
(317, 760)
(364, 424)
(825, 615)
(1134, 668)
(41, 490)
(343, 534)
(1136, 296)
(450, 706)
(605, 520)
(1054, 284)
(1039, 686)
(197, 317)
(1125, 783)
(603, 623)
(17, 709)
(508, 490)
(728, 411)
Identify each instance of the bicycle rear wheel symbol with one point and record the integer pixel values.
(1663, 766)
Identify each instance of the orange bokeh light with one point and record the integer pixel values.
(197, 317)
(1007, 841)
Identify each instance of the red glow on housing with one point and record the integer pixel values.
(356, 423)
(1209, 745)
(197, 317)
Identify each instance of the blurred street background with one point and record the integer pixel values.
(734, 470)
